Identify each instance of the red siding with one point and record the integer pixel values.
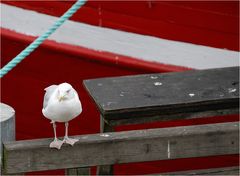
(211, 23)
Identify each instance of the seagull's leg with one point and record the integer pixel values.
(55, 143)
(68, 140)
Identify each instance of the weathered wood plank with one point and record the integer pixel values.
(167, 93)
(105, 127)
(213, 171)
(78, 171)
(171, 116)
(124, 147)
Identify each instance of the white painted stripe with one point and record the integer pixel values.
(125, 43)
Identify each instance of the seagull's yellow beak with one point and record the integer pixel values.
(60, 98)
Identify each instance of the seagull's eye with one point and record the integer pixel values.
(68, 91)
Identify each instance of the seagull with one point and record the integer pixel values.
(61, 104)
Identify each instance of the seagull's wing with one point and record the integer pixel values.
(49, 91)
(75, 93)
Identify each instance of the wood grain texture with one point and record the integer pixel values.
(167, 93)
(78, 171)
(124, 147)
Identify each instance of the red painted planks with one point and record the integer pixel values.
(213, 24)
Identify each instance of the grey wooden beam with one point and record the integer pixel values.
(190, 92)
(105, 127)
(124, 147)
(172, 116)
(7, 126)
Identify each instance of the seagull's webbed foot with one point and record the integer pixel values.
(70, 141)
(56, 144)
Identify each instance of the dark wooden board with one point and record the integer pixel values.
(168, 116)
(167, 93)
(124, 147)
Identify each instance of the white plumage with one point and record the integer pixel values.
(61, 104)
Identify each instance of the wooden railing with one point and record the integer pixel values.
(123, 147)
(148, 98)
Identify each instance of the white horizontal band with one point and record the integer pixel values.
(143, 47)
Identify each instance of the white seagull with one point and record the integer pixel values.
(61, 104)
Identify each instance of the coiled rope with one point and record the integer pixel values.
(9, 66)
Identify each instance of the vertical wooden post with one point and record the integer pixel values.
(78, 171)
(105, 127)
(7, 126)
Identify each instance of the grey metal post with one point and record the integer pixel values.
(7, 125)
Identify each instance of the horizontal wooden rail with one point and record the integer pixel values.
(173, 116)
(123, 147)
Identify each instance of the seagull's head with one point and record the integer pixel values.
(65, 92)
